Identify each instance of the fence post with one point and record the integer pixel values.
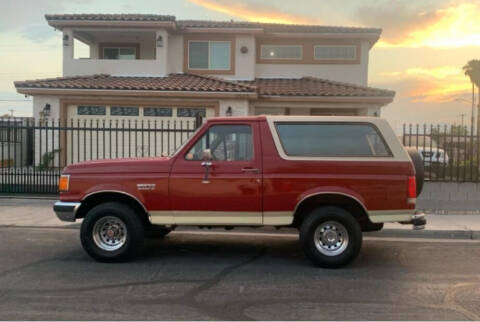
(198, 120)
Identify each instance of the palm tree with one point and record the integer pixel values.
(472, 70)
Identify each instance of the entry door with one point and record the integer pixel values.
(231, 194)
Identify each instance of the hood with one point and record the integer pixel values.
(129, 165)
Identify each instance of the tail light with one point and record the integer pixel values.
(412, 188)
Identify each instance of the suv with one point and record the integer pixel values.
(329, 177)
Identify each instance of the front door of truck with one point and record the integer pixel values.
(230, 193)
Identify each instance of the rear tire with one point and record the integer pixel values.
(112, 232)
(330, 237)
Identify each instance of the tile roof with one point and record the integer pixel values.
(110, 17)
(182, 24)
(304, 87)
(311, 86)
(172, 82)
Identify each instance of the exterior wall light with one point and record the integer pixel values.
(66, 40)
(160, 41)
(229, 111)
(46, 110)
(244, 49)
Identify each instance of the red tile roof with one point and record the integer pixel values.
(307, 86)
(311, 86)
(109, 17)
(173, 82)
(182, 24)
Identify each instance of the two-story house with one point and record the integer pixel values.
(154, 66)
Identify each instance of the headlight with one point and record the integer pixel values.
(63, 183)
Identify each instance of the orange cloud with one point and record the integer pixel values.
(436, 84)
(258, 13)
(454, 26)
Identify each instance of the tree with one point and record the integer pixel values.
(472, 70)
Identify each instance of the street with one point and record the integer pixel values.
(45, 275)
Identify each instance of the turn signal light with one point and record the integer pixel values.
(63, 183)
(412, 187)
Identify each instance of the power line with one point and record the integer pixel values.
(1, 100)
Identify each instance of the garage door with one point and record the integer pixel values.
(112, 131)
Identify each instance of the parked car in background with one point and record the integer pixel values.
(329, 177)
(432, 156)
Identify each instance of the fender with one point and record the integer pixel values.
(329, 190)
(116, 188)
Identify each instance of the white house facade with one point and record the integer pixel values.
(219, 68)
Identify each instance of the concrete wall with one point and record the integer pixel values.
(450, 198)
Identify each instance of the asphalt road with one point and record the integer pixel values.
(45, 275)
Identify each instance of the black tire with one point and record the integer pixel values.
(419, 168)
(326, 216)
(133, 240)
(154, 231)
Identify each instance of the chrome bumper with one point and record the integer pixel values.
(66, 211)
(418, 221)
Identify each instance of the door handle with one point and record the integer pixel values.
(250, 170)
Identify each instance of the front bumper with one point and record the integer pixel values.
(418, 221)
(66, 211)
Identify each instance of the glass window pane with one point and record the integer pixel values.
(226, 142)
(281, 52)
(198, 54)
(190, 112)
(336, 52)
(157, 111)
(220, 55)
(90, 110)
(110, 53)
(124, 111)
(128, 53)
(331, 140)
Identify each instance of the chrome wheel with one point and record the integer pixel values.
(331, 238)
(110, 233)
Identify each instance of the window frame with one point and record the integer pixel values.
(102, 47)
(283, 45)
(209, 38)
(207, 132)
(279, 143)
(355, 47)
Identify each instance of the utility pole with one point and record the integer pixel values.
(11, 112)
(463, 117)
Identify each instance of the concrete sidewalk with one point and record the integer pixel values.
(20, 212)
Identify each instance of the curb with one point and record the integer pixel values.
(387, 233)
(431, 234)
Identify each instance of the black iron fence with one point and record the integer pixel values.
(34, 152)
(449, 152)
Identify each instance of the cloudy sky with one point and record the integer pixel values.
(423, 46)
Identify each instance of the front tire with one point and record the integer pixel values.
(330, 237)
(112, 232)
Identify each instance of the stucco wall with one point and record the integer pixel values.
(350, 73)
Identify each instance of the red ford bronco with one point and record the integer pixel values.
(329, 177)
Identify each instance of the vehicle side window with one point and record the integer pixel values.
(332, 140)
(226, 142)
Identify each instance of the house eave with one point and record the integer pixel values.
(328, 99)
(126, 93)
(61, 24)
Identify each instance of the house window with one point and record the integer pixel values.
(124, 111)
(191, 112)
(209, 55)
(125, 53)
(331, 140)
(340, 52)
(281, 52)
(90, 110)
(157, 111)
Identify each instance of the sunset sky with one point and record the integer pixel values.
(420, 54)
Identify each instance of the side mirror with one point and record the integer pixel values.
(207, 155)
